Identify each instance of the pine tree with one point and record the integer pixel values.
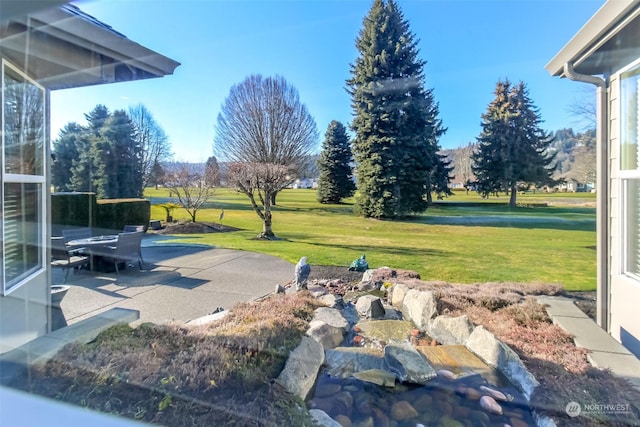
(83, 170)
(336, 178)
(395, 119)
(512, 148)
(65, 152)
(117, 159)
(441, 177)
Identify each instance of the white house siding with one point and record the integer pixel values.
(24, 313)
(624, 323)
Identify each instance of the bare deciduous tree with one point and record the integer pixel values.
(187, 181)
(260, 182)
(152, 141)
(266, 132)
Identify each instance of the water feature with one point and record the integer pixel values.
(466, 392)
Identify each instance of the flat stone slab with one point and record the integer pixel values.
(342, 362)
(408, 364)
(459, 360)
(386, 330)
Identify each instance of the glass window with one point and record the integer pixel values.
(24, 136)
(630, 171)
(23, 179)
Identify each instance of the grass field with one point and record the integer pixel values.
(469, 242)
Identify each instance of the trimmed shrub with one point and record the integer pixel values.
(72, 210)
(114, 214)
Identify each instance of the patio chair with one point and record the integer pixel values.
(133, 228)
(69, 259)
(127, 249)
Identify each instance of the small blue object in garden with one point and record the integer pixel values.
(359, 265)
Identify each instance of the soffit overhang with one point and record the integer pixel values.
(63, 47)
(609, 41)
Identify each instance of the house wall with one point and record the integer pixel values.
(24, 313)
(624, 297)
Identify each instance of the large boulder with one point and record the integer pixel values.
(420, 307)
(450, 330)
(398, 292)
(370, 306)
(409, 366)
(301, 370)
(327, 335)
(497, 354)
(331, 316)
(385, 330)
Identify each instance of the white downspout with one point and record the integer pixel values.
(602, 188)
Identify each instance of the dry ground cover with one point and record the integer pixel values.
(223, 373)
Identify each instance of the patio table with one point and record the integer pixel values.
(93, 244)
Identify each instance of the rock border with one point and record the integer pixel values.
(420, 307)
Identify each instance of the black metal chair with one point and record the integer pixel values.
(127, 249)
(69, 259)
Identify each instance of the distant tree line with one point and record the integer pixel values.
(116, 155)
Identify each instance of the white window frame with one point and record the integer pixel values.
(23, 179)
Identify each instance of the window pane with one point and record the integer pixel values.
(630, 111)
(632, 226)
(23, 125)
(22, 236)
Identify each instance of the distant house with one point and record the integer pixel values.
(606, 53)
(45, 46)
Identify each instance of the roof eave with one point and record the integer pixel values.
(593, 34)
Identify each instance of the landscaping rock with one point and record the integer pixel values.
(331, 300)
(323, 419)
(419, 307)
(331, 316)
(497, 354)
(398, 292)
(385, 330)
(327, 335)
(367, 286)
(300, 371)
(377, 376)
(450, 330)
(392, 314)
(402, 411)
(370, 306)
(279, 289)
(367, 276)
(408, 365)
(343, 362)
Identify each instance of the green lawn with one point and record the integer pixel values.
(463, 243)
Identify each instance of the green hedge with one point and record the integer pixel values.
(114, 214)
(72, 210)
(83, 210)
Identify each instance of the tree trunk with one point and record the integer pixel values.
(429, 198)
(267, 231)
(193, 216)
(512, 198)
(273, 199)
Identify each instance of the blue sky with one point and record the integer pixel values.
(468, 46)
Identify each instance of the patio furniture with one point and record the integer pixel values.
(70, 234)
(63, 257)
(127, 249)
(133, 228)
(94, 247)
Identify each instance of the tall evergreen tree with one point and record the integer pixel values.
(395, 119)
(65, 151)
(83, 170)
(117, 159)
(512, 148)
(336, 179)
